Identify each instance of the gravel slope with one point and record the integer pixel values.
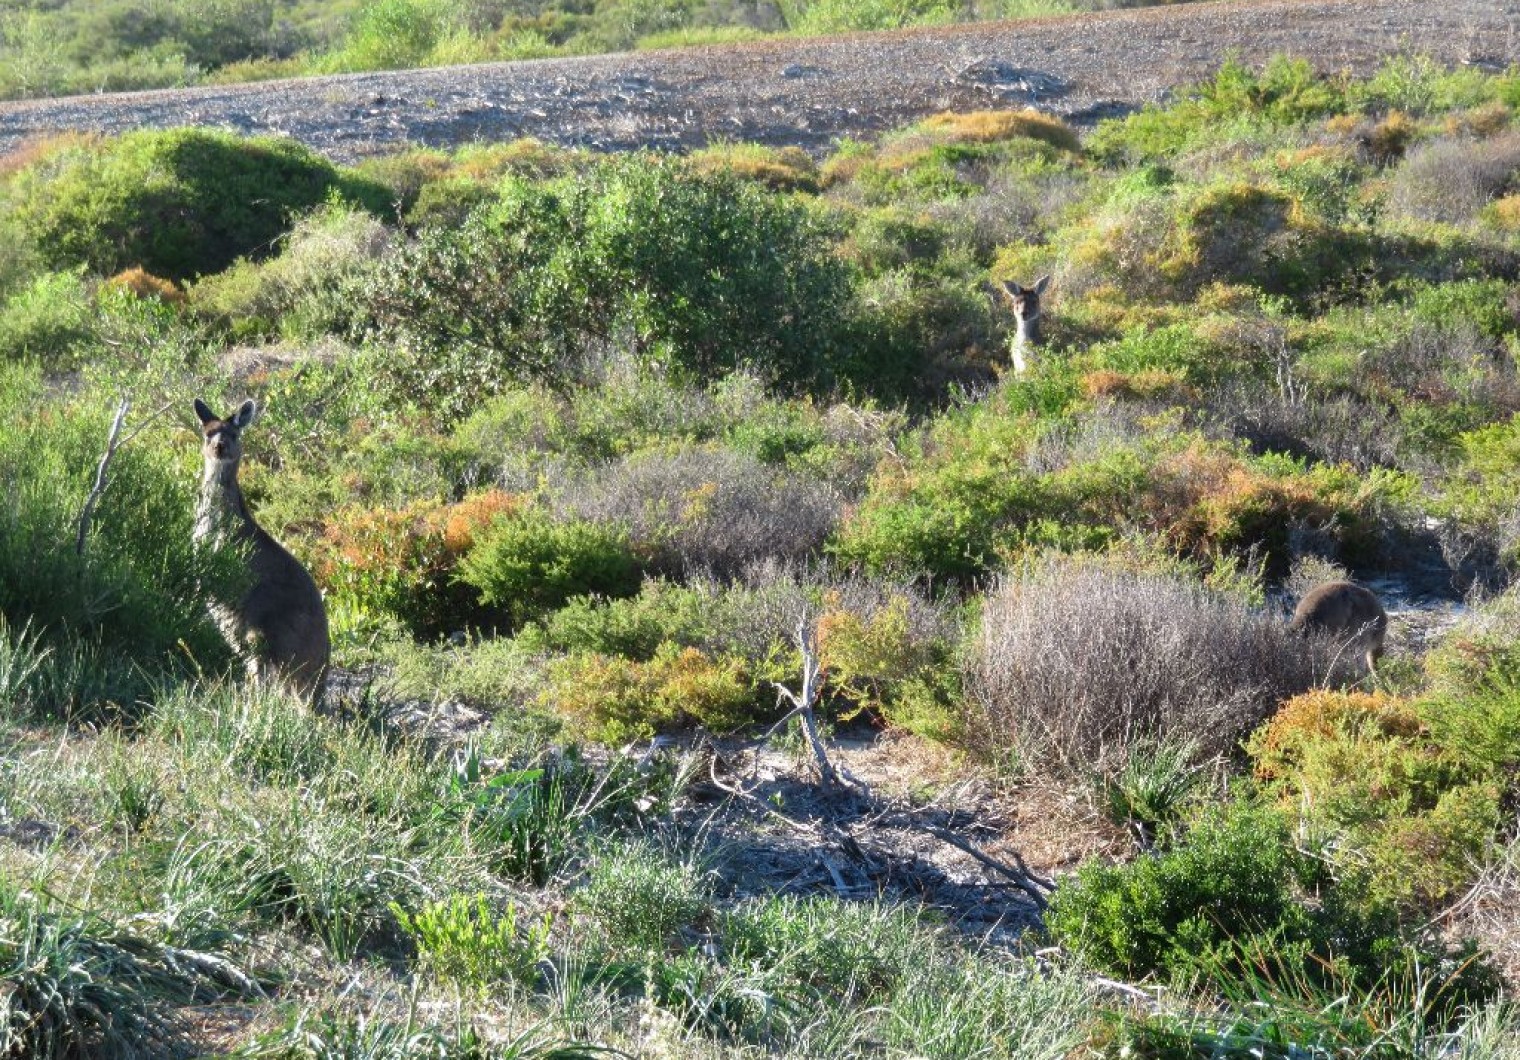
(804, 92)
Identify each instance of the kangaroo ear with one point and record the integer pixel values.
(204, 411)
(1013, 290)
(244, 415)
(1041, 284)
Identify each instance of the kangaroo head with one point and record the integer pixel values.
(1026, 300)
(221, 443)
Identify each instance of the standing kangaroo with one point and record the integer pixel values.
(279, 627)
(1026, 311)
(1348, 613)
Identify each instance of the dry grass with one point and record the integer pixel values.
(1491, 913)
(781, 168)
(38, 148)
(1077, 663)
(991, 126)
(140, 283)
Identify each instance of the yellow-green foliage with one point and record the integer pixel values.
(874, 662)
(782, 168)
(615, 699)
(1406, 813)
(1486, 483)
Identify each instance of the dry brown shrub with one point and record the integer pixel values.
(37, 148)
(990, 126)
(1387, 141)
(707, 509)
(140, 283)
(1449, 180)
(1487, 120)
(1077, 662)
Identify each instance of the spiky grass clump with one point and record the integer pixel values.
(79, 985)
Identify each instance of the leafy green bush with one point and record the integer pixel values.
(138, 586)
(181, 203)
(641, 898)
(298, 294)
(1225, 905)
(699, 272)
(616, 700)
(48, 320)
(837, 16)
(529, 565)
(464, 940)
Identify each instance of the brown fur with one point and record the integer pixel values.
(279, 627)
(1347, 612)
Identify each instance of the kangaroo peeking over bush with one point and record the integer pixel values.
(279, 627)
(1026, 313)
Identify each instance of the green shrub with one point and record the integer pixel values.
(1286, 92)
(837, 16)
(634, 628)
(138, 587)
(50, 320)
(640, 898)
(181, 203)
(391, 34)
(1406, 795)
(300, 293)
(1229, 881)
(529, 565)
(701, 272)
(616, 700)
(464, 940)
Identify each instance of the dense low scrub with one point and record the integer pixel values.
(585, 451)
(180, 204)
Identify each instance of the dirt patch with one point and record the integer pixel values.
(803, 92)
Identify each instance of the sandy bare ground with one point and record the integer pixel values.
(804, 92)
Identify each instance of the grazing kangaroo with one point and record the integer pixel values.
(1348, 613)
(279, 627)
(1026, 310)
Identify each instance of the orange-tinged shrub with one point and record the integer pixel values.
(464, 521)
(1151, 383)
(140, 283)
(1506, 212)
(402, 561)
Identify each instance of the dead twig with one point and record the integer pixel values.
(1019, 876)
(802, 703)
(114, 442)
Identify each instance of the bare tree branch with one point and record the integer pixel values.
(114, 441)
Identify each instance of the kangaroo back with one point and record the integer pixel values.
(1346, 612)
(279, 626)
